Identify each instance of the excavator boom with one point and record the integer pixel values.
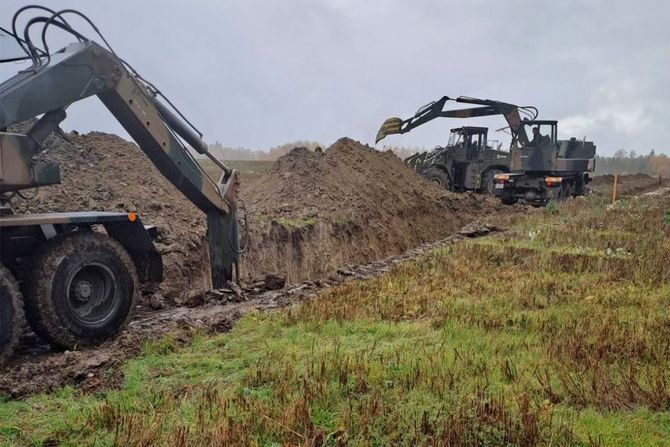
(435, 109)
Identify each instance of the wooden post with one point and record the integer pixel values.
(614, 188)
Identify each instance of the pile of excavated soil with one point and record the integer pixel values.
(313, 213)
(103, 172)
(316, 211)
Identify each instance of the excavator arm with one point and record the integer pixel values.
(84, 69)
(435, 109)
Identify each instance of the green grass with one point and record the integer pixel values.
(554, 334)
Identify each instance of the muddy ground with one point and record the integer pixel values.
(310, 215)
(91, 370)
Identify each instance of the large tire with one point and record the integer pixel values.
(82, 290)
(488, 185)
(11, 313)
(438, 176)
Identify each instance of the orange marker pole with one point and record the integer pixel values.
(614, 188)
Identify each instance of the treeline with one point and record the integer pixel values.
(629, 162)
(240, 153)
(622, 162)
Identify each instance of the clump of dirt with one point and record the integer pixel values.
(103, 172)
(316, 211)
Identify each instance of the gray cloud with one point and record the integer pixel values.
(259, 73)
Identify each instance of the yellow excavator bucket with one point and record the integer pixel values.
(390, 126)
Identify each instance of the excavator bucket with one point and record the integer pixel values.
(390, 126)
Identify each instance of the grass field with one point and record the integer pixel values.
(555, 333)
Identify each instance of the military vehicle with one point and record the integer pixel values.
(546, 168)
(76, 274)
(469, 161)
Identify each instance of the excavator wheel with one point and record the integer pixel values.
(439, 177)
(488, 185)
(11, 313)
(82, 289)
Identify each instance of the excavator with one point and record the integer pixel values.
(536, 171)
(75, 275)
(469, 161)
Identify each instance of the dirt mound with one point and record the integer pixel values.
(313, 213)
(103, 172)
(349, 204)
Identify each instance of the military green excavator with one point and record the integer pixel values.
(535, 171)
(78, 286)
(469, 161)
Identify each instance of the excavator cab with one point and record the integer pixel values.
(468, 142)
(544, 152)
(541, 133)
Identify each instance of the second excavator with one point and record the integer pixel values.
(535, 171)
(469, 161)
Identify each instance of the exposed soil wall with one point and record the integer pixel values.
(315, 211)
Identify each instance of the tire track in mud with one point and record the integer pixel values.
(37, 370)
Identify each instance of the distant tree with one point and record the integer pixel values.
(631, 163)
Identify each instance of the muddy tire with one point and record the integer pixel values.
(488, 185)
(439, 177)
(11, 313)
(82, 290)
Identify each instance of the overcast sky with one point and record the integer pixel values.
(259, 73)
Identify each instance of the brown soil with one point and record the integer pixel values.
(312, 217)
(312, 213)
(316, 211)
